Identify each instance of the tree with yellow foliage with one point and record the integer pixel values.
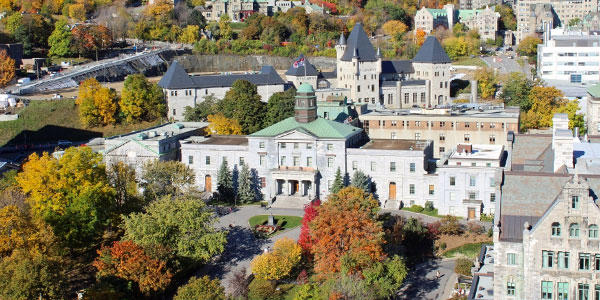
(545, 101)
(77, 12)
(219, 124)
(486, 82)
(97, 104)
(190, 34)
(279, 263)
(225, 30)
(7, 68)
(71, 193)
(394, 28)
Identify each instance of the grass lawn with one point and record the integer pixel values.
(468, 61)
(286, 222)
(49, 121)
(74, 60)
(469, 250)
(238, 26)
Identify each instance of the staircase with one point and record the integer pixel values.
(392, 204)
(290, 202)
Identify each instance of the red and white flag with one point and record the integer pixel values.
(299, 63)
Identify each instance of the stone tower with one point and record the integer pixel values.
(305, 110)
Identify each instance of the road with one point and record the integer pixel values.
(422, 284)
(506, 65)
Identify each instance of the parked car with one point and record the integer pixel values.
(57, 96)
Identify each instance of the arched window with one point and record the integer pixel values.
(574, 230)
(593, 231)
(556, 229)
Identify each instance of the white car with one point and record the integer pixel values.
(57, 96)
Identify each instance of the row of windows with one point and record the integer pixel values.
(414, 98)
(574, 230)
(261, 145)
(583, 291)
(472, 181)
(563, 260)
(432, 124)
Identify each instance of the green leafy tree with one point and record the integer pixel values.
(196, 18)
(184, 225)
(574, 22)
(338, 182)
(209, 106)
(225, 183)
(361, 181)
(575, 119)
(387, 276)
(161, 178)
(280, 106)
(486, 82)
(142, 100)
(60, 39)
(201, 288)
(31, 276)
(515, 90)
(225, 30)
(463, 266)
(246, 191)
(508, 21)
(242, 103)
(528, 46)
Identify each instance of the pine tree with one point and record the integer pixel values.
(245, 189)
(361, 181)
(338, 182)
(225, 183)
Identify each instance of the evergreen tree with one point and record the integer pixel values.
(338, 182)
(225, 183)
(245, 191)
(361, 181)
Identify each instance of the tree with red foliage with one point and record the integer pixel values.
(87, 38)
(127, 260)
(310, 212)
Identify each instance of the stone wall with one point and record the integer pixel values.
(228, 62)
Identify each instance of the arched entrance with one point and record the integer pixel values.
(207, 183)
(392, 191)
(440, 99)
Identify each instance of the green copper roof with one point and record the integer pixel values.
(468, 13)
(305, 88)
(437, 12)
(320, 128)
(594, 90)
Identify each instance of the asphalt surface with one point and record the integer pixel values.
(421, 283)
(506, 65)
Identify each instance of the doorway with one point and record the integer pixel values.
(392, 193)
(471, 214)
(207, 183)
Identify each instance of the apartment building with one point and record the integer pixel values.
(572, 57)
(532, 14)
(485, 20)
(476, 4)
(446, 127)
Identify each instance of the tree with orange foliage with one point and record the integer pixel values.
(351, 243)
(420, 37)
(127, 260)
(7, 68)
(90, 37)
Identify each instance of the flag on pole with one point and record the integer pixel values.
(299, 63)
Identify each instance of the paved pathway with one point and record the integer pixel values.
(422, 284)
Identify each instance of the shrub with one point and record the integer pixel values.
(487, 218)
(463, 266)
(429, 206)
(434, 228)
(490, 232)
(475, 228)
(443, 246)
(202, 288)
(416, 208)
(449, 225)
(260, 289)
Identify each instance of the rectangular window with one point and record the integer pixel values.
(412, 167)
(282, 161)
(296, 145)
(597, 262)
(467, 125)
(373, 166)
(442, 137)
(417, 136)
(191, 160)
(263, 182)
(296, 161)
(393, 136)
(452, 181)
(308, 146)
(431, 189)
(263, 160)
(207, 160)
(547, 289)
(575, 202)
(563, 260)
(329, 146)
(472, 196)
(492, 139)
(583, 291)
(472, 180)
(242, 161)
(392, 167)
(423, 97)
(411, 189)
(597, 292)
(467, 138)
(329, 184)
(442, 150)
(282, 145)
(309, 161)
(261, 145)
(510, 288)
(492, 182)
(584, 261)
(330, 162)
(492, 197)
(547, 259)
(354, 165)
(511, 259)
(563, 291)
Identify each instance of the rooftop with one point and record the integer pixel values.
(479, 152)
(594, 91)
(397, 67)
(483, 282)
(358, 43)
(431, 52)
(587, 157)
(321, 128)
(533, 152)
(161, 132)
(225, 140)
(307, 69)
(483, 112)
(416, 145)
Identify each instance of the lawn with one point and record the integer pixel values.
(470, 250)
(470, 61)
(49, 121)
(238, 26)
(286, 222)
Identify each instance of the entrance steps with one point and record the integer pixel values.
(290, 202)
(392, 204)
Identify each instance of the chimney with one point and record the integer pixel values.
(474, 91)
(464, 148)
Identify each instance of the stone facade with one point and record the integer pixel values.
(593, 110)
(485, 20)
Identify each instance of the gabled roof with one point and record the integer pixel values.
(176, 78)
(397, 67)
(321, 128)
(358, 42)
(594, 91)
(300, 70)
(431, 52)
